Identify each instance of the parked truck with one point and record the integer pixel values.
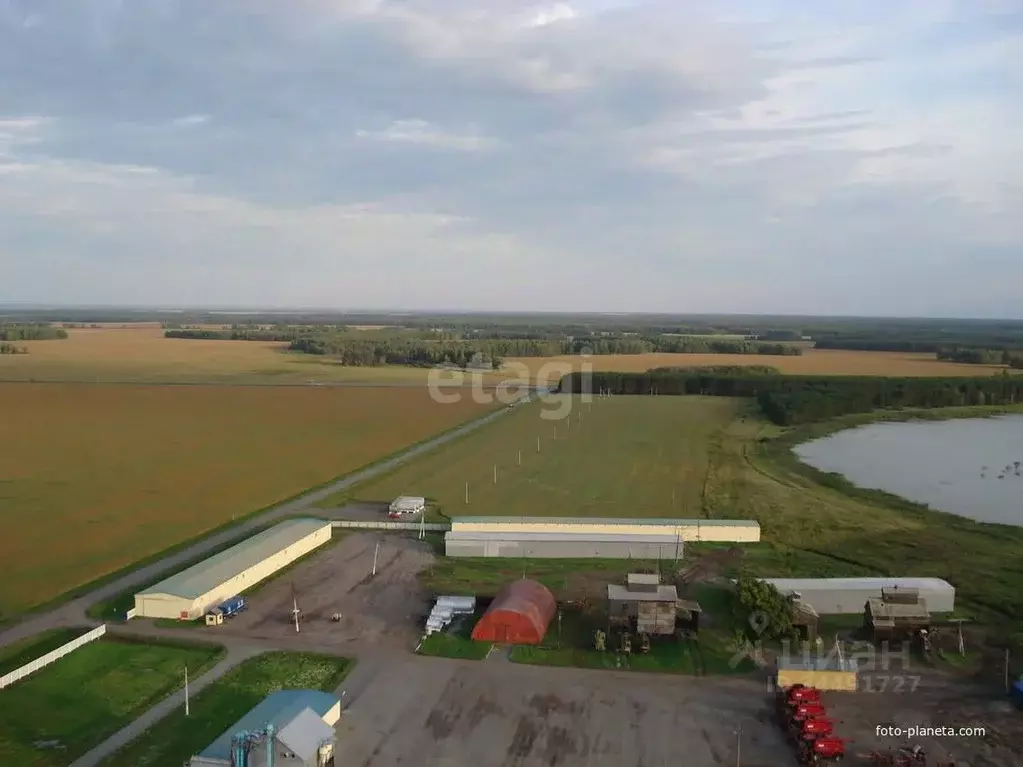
(225, 609)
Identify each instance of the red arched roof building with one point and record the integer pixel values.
(519, 614)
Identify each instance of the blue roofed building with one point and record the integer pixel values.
(289, 728)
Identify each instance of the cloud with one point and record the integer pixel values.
(594, 155)
(422, 133)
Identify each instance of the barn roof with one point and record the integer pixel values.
(857, 584)
(203, 577)
(630, 521)
(280, 709)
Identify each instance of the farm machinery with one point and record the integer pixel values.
(811, 731)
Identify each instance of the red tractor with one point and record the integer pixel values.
(826, 749)
(810, 729)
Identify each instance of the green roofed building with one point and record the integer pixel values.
(190, 593)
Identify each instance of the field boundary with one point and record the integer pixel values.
(54, 655)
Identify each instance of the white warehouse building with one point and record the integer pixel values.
(191, 593)
(847, 596)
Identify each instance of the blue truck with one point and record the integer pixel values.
(225, 609)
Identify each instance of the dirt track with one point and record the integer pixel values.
(381, 611)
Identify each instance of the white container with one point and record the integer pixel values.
(457, 603)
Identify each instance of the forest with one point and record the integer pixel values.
(31, 332)
(791, 399)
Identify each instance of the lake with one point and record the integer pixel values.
(964, 466)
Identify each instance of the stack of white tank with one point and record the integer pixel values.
(446, 609)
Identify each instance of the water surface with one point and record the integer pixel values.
(965, 466)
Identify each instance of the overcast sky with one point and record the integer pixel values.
(777, 156)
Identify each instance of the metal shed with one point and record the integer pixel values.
(847, 596)
(292, 713)
(563, 545)
(652, 605)
(191, 592)
(520, 614)
(727, 530)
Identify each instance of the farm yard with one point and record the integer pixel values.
(435, 712)
(380, 612)
(621, 457)
(57, 714)
(719, 458)
(95, 478)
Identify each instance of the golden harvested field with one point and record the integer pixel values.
(140, 353)
(812, 362)
(93, 478)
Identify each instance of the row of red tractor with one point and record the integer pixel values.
(802, 714)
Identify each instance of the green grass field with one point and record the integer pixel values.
(617, 457)
(85, 697)
(175, 739)
(16, 655)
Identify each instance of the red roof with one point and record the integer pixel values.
(519, 614)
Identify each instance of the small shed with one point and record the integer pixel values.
(521, 613)
(900, 619)
(651, 604)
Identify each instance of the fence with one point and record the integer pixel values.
(128, 615)
(50, 657)
(430, 527)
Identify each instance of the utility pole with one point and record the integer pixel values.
(466, 493)
(538, 444)
(518, 458)
(1006, 670)
(376, 553)
(495, 473)
(738, 746)
(186, 691)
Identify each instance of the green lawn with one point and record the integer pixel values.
(618, 457)
(16, 655)
(571, 642)
(172, 741)
(85, 697)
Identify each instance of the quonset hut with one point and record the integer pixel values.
(520, 614)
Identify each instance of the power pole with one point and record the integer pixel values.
(466, 493)
(376, 553)
(518, 458)
(186, 691)
(738, 746)
(495, 473)
(1006, 669)
(538, 444)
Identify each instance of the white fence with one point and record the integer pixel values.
(129, 614)
(430, 527)
(50, 657)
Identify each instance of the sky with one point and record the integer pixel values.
(765, 156)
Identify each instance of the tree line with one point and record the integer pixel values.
(789, 400)
(9, 348)
(1012, 358)
(31, 332)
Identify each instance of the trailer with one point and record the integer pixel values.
(226, 609)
